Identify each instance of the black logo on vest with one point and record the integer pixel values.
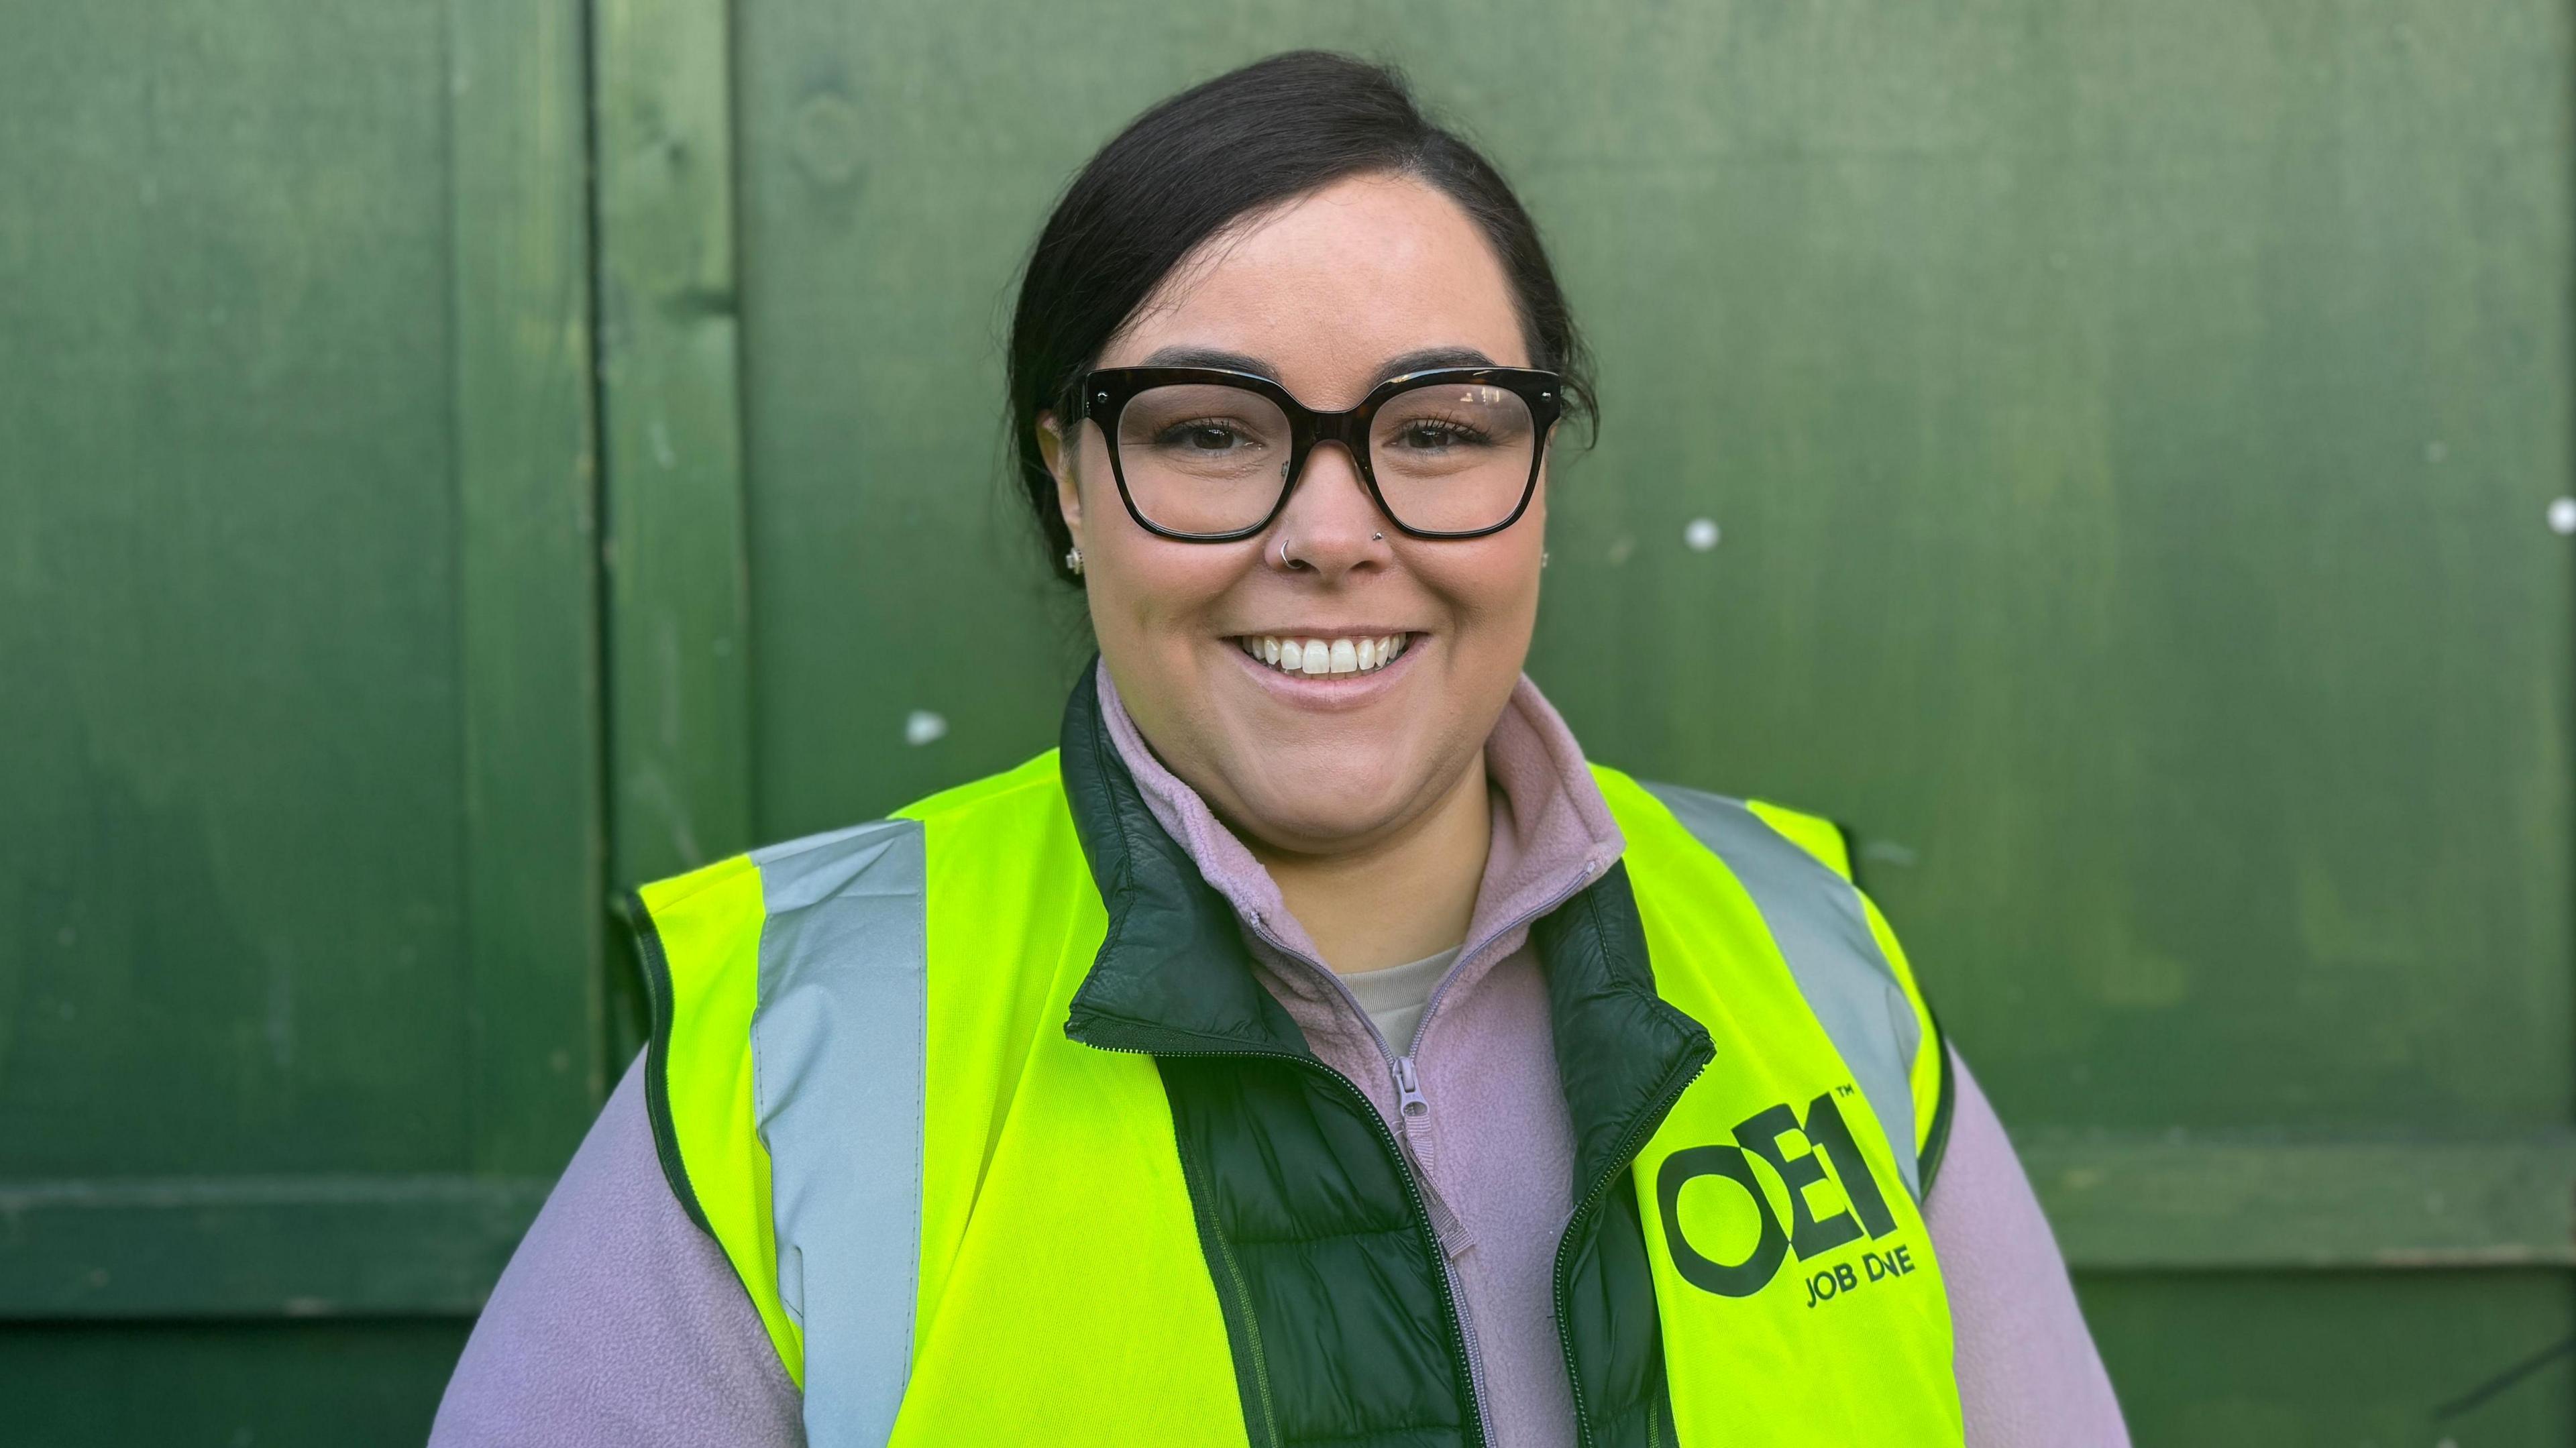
(1829, 1141)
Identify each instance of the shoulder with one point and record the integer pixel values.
(1034, 786)
(1773, 851)
(1709, 817)
(614, 1311)
(732, 888)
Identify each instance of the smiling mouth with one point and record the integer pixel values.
(1311, 657)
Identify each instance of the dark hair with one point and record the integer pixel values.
(1255, 137)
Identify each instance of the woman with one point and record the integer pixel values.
(1314, 1049)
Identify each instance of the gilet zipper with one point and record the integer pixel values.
(1461, 1338)
(1447, 1228)
(1630, 1142)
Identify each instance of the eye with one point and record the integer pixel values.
(1431, 434)
(1208, 434)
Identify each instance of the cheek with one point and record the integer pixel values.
(1493, 589)
(1157, 591)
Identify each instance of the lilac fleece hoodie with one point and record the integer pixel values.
(619, 1323)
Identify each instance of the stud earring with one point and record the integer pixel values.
(1073, 561)
(1542, 558)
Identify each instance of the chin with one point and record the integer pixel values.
(1309, 824)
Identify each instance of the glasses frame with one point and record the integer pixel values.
(1106, 392)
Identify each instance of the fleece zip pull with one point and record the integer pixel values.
(1414, 1110)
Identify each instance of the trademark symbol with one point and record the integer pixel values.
(1844, 1090)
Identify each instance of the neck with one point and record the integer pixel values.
(1409, 896)
(1502, 867)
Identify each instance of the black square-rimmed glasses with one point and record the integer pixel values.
(1207, 455)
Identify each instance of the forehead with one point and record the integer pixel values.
(1332, 284)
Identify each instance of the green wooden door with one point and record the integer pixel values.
(299, 888)
(2103, 452)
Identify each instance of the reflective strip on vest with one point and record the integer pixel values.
(843, 980)
(1816, 916)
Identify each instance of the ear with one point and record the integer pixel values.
(1057, 450)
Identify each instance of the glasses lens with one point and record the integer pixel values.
(1202, 457)
(1453, 457)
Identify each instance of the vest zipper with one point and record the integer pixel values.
(1630, 1142)
(1415, 1110)
(1462, 1352)
(1409, 1094)
(1251, 1327)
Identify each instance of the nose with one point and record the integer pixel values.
(1331, 526)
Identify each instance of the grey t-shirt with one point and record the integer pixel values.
(1394, 997)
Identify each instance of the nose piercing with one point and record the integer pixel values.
(1284, 560)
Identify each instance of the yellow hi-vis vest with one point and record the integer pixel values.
(908, 1076)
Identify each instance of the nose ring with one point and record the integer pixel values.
(1286, 562)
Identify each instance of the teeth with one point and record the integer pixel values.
(1317, 657)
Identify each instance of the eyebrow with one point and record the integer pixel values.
(1416, 361)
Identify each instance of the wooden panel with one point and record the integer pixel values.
(299, 905)
(679, 601)
(2336, 1360)
(298, 634)
(679, 655)
(253, 1247)
(526, 473)
(272, 1384)
(2276, 1203)
(232, 915)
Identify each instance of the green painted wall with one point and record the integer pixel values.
(301, 876)
(2129, 430)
